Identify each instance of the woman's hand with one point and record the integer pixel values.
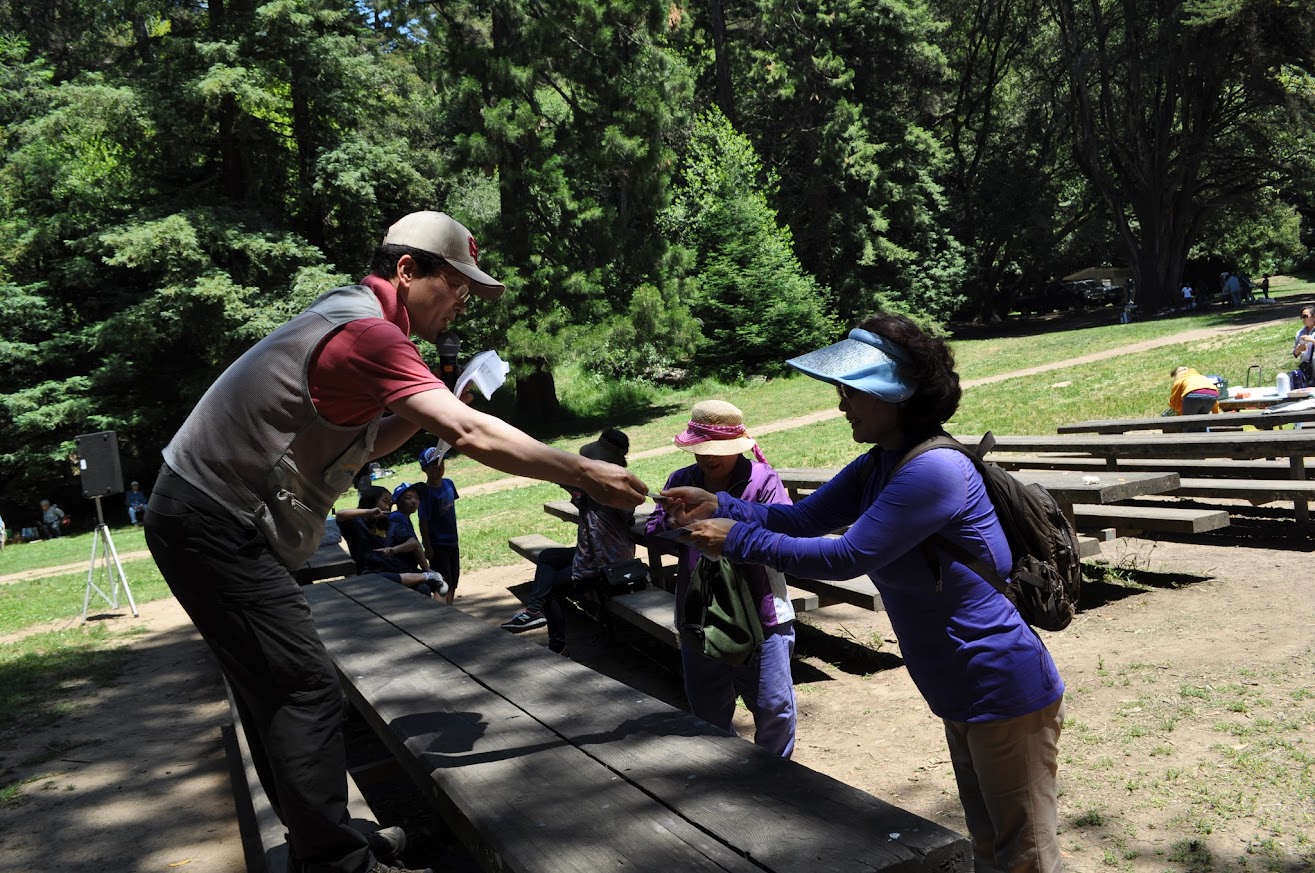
(708, 536)
(687, 504)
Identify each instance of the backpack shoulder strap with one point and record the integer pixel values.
(944, 441)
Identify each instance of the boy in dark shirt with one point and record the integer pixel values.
(438, 519)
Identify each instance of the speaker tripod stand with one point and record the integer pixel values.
(105, 544)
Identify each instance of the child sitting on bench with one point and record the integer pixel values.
(603, 538)
(378, 545)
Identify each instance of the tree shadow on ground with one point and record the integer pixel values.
(1104, 584)
(1056, 322)
(846, 654)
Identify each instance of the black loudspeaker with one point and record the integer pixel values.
(98, 461)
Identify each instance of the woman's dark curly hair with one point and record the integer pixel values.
(937, 392)
(369, 498)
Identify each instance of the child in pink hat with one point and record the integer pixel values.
(717, 438)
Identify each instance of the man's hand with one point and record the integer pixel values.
(709, 535)
(614, 486)
(687, 504)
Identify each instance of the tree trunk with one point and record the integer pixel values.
(232, 169)
(536, 396)
(725, 97)
(311, 221)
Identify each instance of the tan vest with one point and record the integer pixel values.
(257, 445)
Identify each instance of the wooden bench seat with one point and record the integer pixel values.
(540, 765)
(1222, 468)
(330, 561)
(652, 610)
(1131, 519)
(858, 592)
(1255, 491)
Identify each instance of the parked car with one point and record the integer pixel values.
(1096, 293)
(1052, 297)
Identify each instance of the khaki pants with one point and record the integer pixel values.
(1006, 776)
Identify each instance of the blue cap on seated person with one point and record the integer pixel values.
(402, 489)
(863, 361)
(430, 456)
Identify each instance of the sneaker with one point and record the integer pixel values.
(381, 867)
(436, 582)
(386, 843)
(525, 620)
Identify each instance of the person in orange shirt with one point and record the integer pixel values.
(1192, 393)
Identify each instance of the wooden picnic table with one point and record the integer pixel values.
(1260, 419)
(540, 764)
(855, 592)
(1255, 399)
(1067, 487)
(1295, 445)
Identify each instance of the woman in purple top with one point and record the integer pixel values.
(717, 439)
(979, 666)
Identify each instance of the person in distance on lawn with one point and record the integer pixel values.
(438, 519)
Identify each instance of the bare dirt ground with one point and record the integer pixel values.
(1189, 745)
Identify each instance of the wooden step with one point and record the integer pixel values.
(1149, 518)
(1218, 468)
(1256, 491)
(530, 546)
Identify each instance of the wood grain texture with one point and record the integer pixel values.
(781, 814)
(519, 795)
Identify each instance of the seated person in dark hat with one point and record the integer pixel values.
(603, 538)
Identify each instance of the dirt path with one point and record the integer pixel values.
(64, 569)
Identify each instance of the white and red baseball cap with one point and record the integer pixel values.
(440, 234)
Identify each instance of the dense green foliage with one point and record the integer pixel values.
(178, 178)
(756, 303)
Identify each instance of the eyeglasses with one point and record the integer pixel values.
(1307, 315)
(460, 286)
(846, 393)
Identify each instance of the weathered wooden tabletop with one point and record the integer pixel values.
(1180, 423)
(543, 765)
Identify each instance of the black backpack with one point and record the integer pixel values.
(1046, 578)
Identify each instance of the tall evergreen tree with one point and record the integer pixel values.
(1015, 198)
(839, 98)
(756, 303)
(157, 202)
(573, 108)
(1182, 107)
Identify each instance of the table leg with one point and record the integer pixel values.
(1298, 466)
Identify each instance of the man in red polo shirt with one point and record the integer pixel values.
(252, 474)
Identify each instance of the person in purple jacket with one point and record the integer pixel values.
(979, 666)
(717, 439)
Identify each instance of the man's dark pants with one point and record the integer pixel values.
(253, 615)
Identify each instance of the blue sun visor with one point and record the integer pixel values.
(863, 361)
